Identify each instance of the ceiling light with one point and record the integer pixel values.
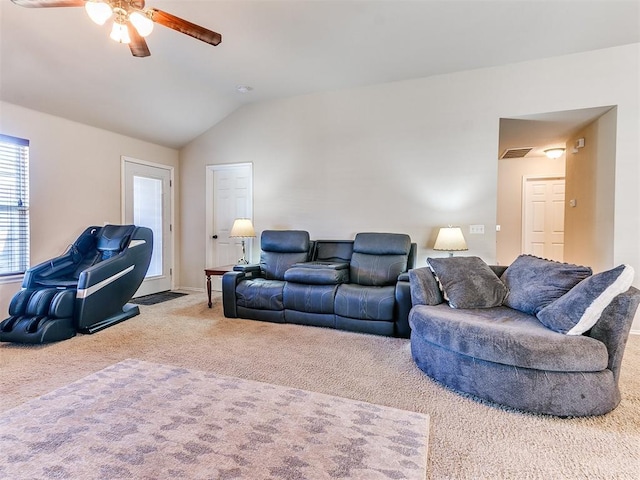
(119, 33)
(98, 11)
(143, 24)
(244, 88)
(554, 152)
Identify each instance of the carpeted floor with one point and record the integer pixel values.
(468, 439)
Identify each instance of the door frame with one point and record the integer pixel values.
(208, 207)
(126, 159)
(525, 179)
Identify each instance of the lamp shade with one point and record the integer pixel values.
(242, 227)
(450, 239)
(120, 33)
(98, 11)
(142, 23)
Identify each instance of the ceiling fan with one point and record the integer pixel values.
(132, 21)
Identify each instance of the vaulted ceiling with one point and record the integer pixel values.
(57, 61)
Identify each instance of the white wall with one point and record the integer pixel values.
(74, 178)
(408, 156)
(589, 224)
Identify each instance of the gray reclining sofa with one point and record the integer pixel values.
(344, 284)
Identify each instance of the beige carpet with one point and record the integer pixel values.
(468, 439)
(143, 420)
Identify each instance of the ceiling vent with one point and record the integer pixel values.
(516, 152)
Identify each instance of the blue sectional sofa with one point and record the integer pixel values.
(344, 284)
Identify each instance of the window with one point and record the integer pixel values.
(14, 205)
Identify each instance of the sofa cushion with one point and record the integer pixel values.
(318, 273)
(260, 294)
(309, 298)
(507, 336)
(468, 282)
(366, 303)
(578, 310)
(424, 287)
(378, 258)
(535, 282)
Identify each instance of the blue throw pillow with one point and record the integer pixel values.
(579, 310)
(535, 282)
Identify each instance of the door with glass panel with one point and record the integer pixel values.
(147, 203)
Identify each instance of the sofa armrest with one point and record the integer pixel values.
(247, 268)
(614, 325)
(403, 306)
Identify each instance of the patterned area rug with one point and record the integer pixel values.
(144, 420)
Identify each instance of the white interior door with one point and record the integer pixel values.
(543, 217)
(229, 196)
(147, 203)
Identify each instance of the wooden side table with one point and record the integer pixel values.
(215, 271)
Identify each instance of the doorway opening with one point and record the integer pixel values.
(588, 137)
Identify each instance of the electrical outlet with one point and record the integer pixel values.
(476, 229)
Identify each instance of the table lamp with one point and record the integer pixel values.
(450, 239)
(242, 228)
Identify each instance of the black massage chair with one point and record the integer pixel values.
(84, 290)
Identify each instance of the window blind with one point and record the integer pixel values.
(14, 205)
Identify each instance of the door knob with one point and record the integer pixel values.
(214, 236)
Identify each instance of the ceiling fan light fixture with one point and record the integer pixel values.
(98, 11)
(119, 32)
(142, 23)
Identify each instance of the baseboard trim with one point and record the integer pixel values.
(191, 289)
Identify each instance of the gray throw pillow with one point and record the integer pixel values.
(535, 282)
(577, 311)
(424, 288)
(468, 282)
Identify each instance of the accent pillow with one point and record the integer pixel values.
(535, 282)
(424, 287)
(577, 311)
(468, 282)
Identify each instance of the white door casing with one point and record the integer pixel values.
(543, 216)
(229, 195)
(148, 202)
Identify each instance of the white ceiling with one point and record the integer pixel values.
(57, 61)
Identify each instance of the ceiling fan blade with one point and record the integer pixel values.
(49, 3)
(183, 26)
(138, 45)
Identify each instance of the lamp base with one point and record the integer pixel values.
(243, 260)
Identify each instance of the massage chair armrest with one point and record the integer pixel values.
(117, 265)
(58, 266)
